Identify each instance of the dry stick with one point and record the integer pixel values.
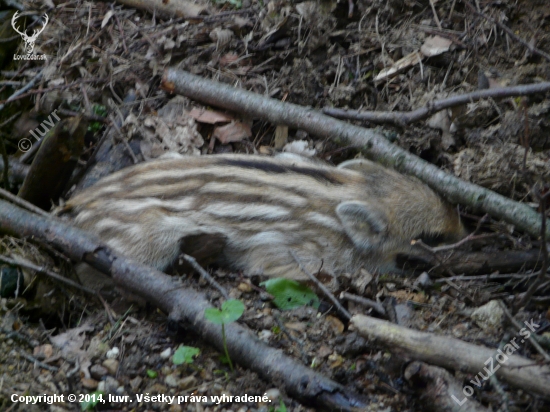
(42, 269)
(544, 250)
(183, 305)
(22, 203)
(404, 118)
(369, 303)
(193, 262)
(509, 31)
(458, 355)
(37, 362)
(534, 342)
(21, 91)
(373, 143)
(327, 293)
(437, 387)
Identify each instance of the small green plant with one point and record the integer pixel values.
(99, 110)
(237, 3)
(151, 373)
(280, 408)
(91, 400)
(184, 354)
(290, 294)
(231, 311)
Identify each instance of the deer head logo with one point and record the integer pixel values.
(29, 40)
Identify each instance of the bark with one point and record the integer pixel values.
(439, 389)
(183, 305)
(458, 355)
(374, 144)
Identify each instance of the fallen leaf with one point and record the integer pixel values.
(401, 64)
(435, 45)
(210, 116)
(107, 17)
(232, 132)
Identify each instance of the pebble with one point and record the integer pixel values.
(111, 365)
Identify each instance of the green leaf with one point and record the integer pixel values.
(92, 400)
(184, 354)
(151, 373)
(231, 311)
(290, 294)
(282, 407)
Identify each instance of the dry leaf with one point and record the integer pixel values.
(107, 17)
(435, 45)
(401, 64)
(232, 132)
(281, 136)
(300, 147)
(210, 116)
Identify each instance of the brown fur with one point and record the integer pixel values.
(359, 214)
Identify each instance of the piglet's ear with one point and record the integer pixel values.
(366, 225)
(360, 165)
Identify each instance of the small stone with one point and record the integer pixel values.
(324, 351)
(43, 351)
(273, 394)
(120, 390)
(171, 380)
(460, 330)
(111, 365)
(335, 324)
(489, 316)
(265, 335)
(187, 382)
(112, 353)
(98, 371)
(89, 383)
(244, 287)
(165, 354)
(136, 383)
(111, 384)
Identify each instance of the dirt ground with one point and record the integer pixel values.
(109, 58)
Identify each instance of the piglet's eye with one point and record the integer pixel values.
(432, 239)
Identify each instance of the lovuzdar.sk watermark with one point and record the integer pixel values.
(501, 357)
(29, 40)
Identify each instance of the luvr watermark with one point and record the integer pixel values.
(501, 357)
(26, 144)
(29, 40)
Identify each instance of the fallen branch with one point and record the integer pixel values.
(484, 264)
(374, 144)
(439, 387)
(183, 305)
(404, 118)
(458, 355)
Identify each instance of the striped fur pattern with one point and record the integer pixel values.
(358, 214)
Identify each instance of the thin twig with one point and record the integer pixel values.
(22, 90)
(544, 250)
(37, 362)
(401, 118)
(369, 303)
(191, 260)
(496, 276)
(519, 326)
(23, 203)
(42, 269)
(509, 31)
(322, 287)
